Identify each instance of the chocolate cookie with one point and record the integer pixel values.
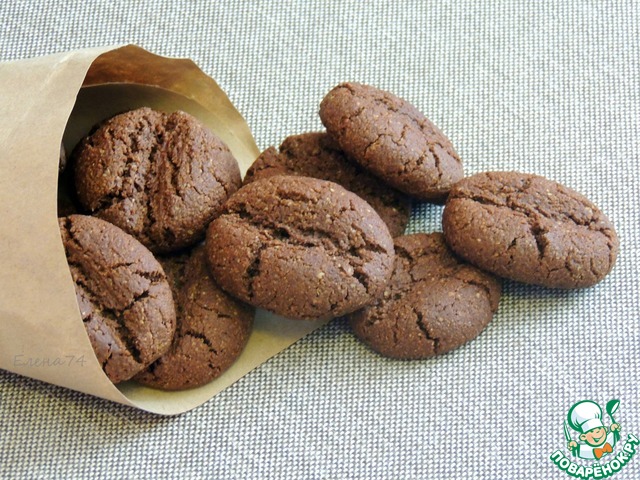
(300, 247)
(124, 297)
(527, 228)
(213, 328)
(432, 304)
(317, 155)
(160, 177)
(392, 139)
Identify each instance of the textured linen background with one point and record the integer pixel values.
(545, 87)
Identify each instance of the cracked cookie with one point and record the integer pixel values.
(123, 294)
(160, 177)
(530, 229)
(392, 139)
(300, 247)
(317, 155)
(433, 303)
(212, 327)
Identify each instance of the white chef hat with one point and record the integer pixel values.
(584, 416)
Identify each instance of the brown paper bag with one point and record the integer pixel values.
(43, 100)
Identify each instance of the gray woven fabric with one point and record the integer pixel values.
(544, 87)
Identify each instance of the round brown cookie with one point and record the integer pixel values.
(124, 297)
(160, 177)
(432, 304)
(300, 247)
(213, 328)
(317, 155)
(392, 139)
(527, 228)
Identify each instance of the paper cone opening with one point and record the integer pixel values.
(41, 331)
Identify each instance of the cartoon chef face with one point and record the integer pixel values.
(586, 417)
(595, 437)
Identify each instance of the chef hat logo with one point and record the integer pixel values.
(585, 416)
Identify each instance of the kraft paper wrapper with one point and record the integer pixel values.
(41, 332)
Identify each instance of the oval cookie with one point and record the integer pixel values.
(300, 247)
(392, 139)
(432, 304)
(317, 155)
(212, 328)
(530, 229)
(160, 177)
(124, 297)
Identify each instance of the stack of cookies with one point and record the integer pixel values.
(148, 185)
(305, 246)
(315, 231)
